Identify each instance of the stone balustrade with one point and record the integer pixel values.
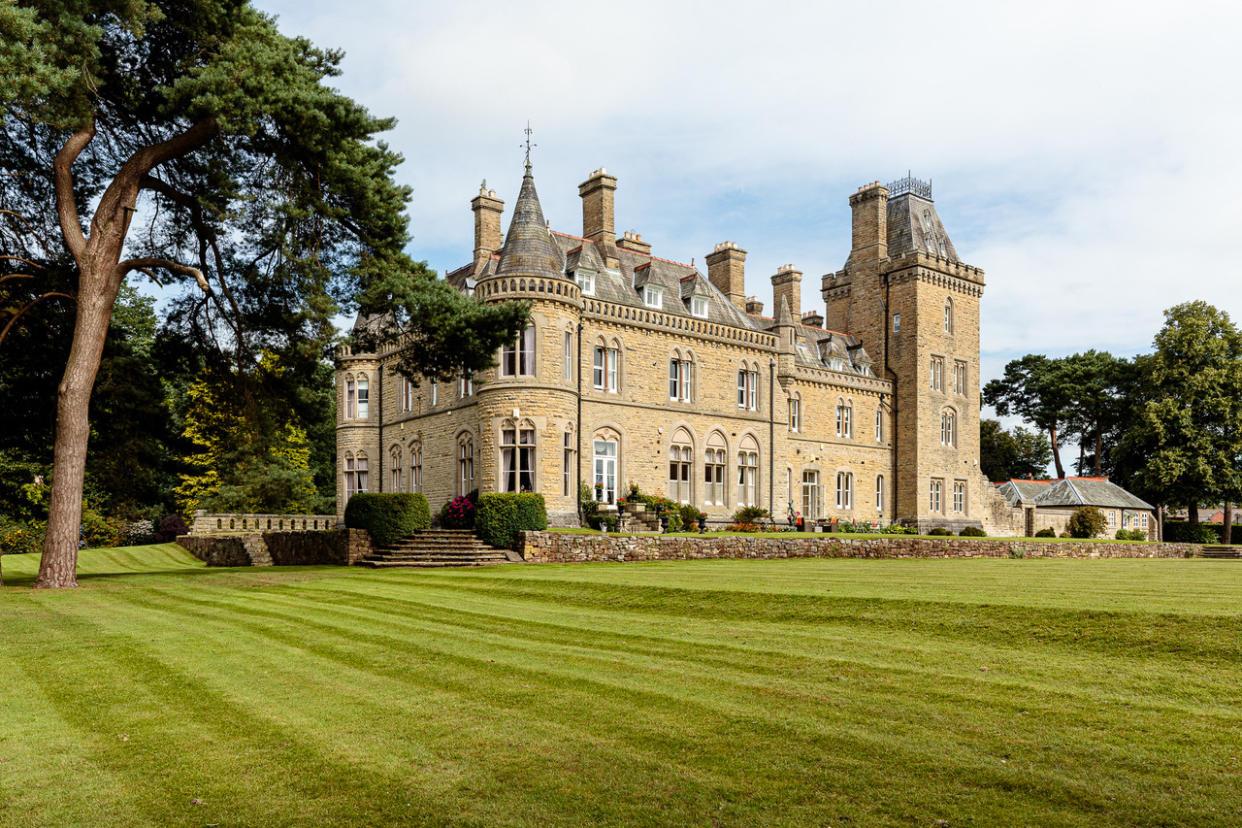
(207, 523)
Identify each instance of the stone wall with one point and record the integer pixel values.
(212, 523)
(556, 547)
(341, 547)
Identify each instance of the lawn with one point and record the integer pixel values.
(792, 692)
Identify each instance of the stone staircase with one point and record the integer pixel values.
(1223, 552)
(437, 548)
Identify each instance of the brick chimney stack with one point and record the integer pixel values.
(754, 306)
(488, 238)
(870, 223)
(634, 242)
(726, 269)
(813, 319)
(787, 285)
(598, 224)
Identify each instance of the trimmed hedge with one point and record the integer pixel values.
(502, 515)
(388, 516)
(972, 532)
(1179, 531)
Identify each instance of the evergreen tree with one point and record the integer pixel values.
(205, 146)
(1019, 453)
(1040, 391)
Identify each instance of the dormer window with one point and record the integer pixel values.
(653, 296)
(586, 282)
(698, 306)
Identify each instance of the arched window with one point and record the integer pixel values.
(395, 467)
(517, 457)
(681, 377)
(879, 493)
(845, 419)
(407, 394)
(351, 479)
(714, 469)
(748, 387)
(351, 398)
(948, 316)
(416, 466)
(680, 462)
(795, 412)
(465, 464)
(606, 365)
(948, 428)
(518, 359)
(845, 490)
(748, 472)
(364, 400)
(879, 423)
(362, 473)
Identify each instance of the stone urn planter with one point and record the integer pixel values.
(702, 524)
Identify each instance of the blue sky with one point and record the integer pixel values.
(1084, 154)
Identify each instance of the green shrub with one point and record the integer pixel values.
(674, 519)
(940, 531)
(689, 516)
(1087, 522)
(19, 537)
(388, 516)
(972, 532)
(459, 512)
(1180, 531)
(502, 515)
(1046, 532)
(1131, 534)
(98, 532)
(898, 529)
(751, 514)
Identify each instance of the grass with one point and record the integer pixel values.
(800, 692)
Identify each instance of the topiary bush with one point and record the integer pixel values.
(502, 515)
(940, 532)
(388, 516)
(972, 532)
(1087, 522)
(1046, 532)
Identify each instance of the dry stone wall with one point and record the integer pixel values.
(341, 547)
(557, 547)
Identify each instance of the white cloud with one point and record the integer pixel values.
(1083, 152)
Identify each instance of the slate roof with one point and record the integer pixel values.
(1073, 492)
(528, 248)
(914, 224)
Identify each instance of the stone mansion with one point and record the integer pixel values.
(637, 368)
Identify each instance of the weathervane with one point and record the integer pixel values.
(528, 145)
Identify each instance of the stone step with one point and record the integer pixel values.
(433, 556)
(1223, 552)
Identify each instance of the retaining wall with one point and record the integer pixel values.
(341, 547)
(556, 547)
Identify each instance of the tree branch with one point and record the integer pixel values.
(185, 270)
(62, 175)
(28, 306)
(24, 260)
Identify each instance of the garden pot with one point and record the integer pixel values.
(702, 525)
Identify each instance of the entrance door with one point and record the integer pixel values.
(605, 489)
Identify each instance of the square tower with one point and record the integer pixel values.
(915, 305)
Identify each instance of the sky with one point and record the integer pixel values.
(1084, 154)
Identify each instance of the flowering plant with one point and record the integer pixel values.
(459, 514)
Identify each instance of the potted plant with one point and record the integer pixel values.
(702, 522)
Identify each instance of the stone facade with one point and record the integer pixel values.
(558, 547)
(642, 369)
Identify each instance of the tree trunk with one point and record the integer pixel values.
(1227, 531)
(1192, 519)
(58, 566)
(1056, 451)
(1098, 467)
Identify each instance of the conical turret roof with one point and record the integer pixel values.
(528, 246)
